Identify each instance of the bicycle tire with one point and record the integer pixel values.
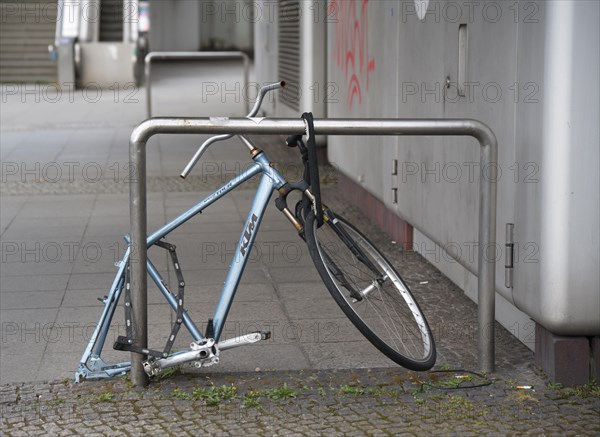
(403, 335)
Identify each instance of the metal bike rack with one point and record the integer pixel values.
(418, 127)
(190, 56)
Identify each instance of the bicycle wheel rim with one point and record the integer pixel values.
(389, 315)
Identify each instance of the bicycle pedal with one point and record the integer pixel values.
(102, 299)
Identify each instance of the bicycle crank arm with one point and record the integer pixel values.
(203, 353)
(243, 340)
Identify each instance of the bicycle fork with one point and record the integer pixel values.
(331, 221)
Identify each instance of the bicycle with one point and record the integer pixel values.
(362, 282)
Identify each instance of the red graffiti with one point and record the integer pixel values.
(351, 45)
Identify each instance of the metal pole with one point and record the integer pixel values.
(138, 258)
(420, 127)
(192, 56)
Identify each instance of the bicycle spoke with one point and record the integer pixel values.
(386, 308)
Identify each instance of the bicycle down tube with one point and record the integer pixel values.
(91, 364)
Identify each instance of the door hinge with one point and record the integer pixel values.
(394, 167)
(509, 256)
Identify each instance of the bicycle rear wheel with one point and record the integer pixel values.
(370, 292)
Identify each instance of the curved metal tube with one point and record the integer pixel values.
(261, 95)
(421, 127)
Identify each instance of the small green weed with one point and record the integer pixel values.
(352, 390)
(583, 391)
(57, 402)
(283, 392)
(554, 386)
(381, 391)
(454, 382)
(251, 400)
(215, 395)
(180, 394)
(167, 373)
(105, 397)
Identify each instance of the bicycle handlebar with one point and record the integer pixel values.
(259, 99)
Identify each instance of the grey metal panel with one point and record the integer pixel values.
(265, 49)
(308, 89)
(528, 126)
(418, 56)
(357, 90)
(561, 288)
(556, 265)
(308, 85)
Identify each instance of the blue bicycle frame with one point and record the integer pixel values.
(91, 364)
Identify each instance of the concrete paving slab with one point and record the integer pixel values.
(25, 332)
(86, 298)
(346, 355)
(199, 295)
(33, 283)
(294, 274)
(303, 308)
(29, 363)
(37, 228)
(36, 268)
(87, 281)
(333, 329)
(31, 299)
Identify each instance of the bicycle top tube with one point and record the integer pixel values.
(261, 164)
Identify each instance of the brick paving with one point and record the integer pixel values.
(302, 403)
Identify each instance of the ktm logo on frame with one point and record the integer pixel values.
(248, 234)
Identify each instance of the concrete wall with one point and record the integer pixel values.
(228, 24)
(175, 25)
(389, 59)
(182, 25)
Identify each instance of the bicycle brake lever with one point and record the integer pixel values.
(292, 140)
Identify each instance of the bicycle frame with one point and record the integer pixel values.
(91, 365)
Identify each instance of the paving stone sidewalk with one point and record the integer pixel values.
(516, 400)
(303, 403)
(319, 378)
